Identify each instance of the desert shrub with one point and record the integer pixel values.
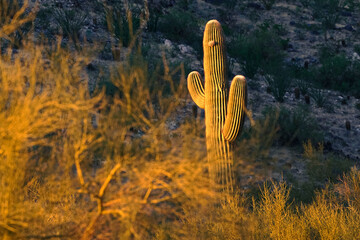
(357, 106)
(338, 72)
(354, 85)
(257, 50)
(279, 81)
(298, 125)
(295, 126)
(305, 3)
(349, 188)
(326, 218)
(357, 48)
(268, 4)
(252, 151)
(185, 4)
(231, 4)
(70, 23)
(321, 167)
(42, 17)
(302, 192)
(156, 11)
(303, 84)
(327, 11)
(303, 78)
(15, 22)
(123, 21)
(223, 222)
(249, 54)
(225, 18)
(40, 94)
(318, 96)
(180, 26)
(275, 215)
(334, 71)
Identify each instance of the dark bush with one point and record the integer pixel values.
(279, 81)
(295, 126)
(327, 11)
(70, 23)
(122, 23)
(260, 49)
(180, 26)
(338, 72)
(268, 4)
(13, 12)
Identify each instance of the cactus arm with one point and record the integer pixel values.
(235, 109)
(196, 89)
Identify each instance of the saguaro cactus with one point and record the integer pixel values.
(224, 112)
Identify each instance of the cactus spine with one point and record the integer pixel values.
(224, 111)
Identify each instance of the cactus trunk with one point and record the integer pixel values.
(224, 112)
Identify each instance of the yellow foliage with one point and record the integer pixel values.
(128, 176)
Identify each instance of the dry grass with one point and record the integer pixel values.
(129, 176)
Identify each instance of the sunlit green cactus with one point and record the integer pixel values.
(224, 111)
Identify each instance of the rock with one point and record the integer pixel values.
(355, 57)
(168, 44)
(184, 49)
(339, 26)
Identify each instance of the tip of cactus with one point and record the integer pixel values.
(240, 77)
(213, 21)
(193, 72)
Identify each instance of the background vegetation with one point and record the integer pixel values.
(106, 162)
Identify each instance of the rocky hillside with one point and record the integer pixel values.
(282, 47)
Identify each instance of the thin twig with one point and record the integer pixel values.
(108, 179)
